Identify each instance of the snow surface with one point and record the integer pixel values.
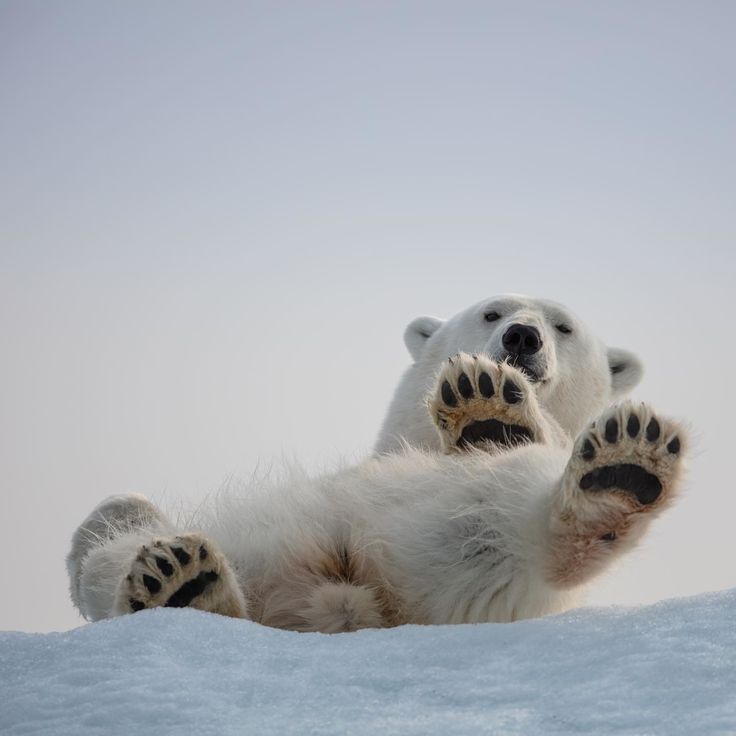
(668, 668)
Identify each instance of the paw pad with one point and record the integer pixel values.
(588, 451)
(485, 385)
(625, 477)
(637, 463)
(511, 392)
(165, 566)
(611, 432)
(182, 555)
(152, 585)
(653, 430)
(465, 387)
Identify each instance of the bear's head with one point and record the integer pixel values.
(575, 375)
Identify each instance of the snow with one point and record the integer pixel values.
(668, 668)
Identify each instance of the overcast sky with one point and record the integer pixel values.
(216, 220)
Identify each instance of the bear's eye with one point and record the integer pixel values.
(492, 316)
(564, 329)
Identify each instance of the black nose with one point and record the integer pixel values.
(522, 340)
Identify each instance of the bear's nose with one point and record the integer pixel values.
(522, 340)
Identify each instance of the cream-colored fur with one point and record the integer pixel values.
(410, 537)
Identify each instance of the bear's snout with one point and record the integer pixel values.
(522, 340)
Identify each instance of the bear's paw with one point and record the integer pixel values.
(478, 402)
(629, 451)
(187, 570)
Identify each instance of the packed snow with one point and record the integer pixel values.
(663, 669)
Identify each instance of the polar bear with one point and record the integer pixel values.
(501, 515)
(574, 374)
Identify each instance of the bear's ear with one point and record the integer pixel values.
(626, 371)
(418, 332)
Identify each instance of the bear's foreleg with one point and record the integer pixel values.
(624, 470)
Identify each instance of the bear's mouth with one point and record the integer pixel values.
(533, 374)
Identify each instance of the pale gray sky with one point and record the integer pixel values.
(217, 218)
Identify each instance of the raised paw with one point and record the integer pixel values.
(477, 401)
(631, 451)
(623, 471)
(187, 570)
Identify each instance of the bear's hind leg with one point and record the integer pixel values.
(624, 470)
(336, 606)
(101, 546)
(115, 552)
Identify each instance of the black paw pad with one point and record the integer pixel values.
(633, 426)
(653, 430)
(165, 566)
(673, 446)
(512, 393)
(465, 387)
(136, 605)
(626, 477)
(485, 385)
(203, 553)
(491, 430)
(447, 394)
(588, 451)
(181, 555)
(191, 589)
(611, 432)
(152, 585)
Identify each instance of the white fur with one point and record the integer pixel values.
(422, 520)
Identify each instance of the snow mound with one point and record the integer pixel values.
(668, 668)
